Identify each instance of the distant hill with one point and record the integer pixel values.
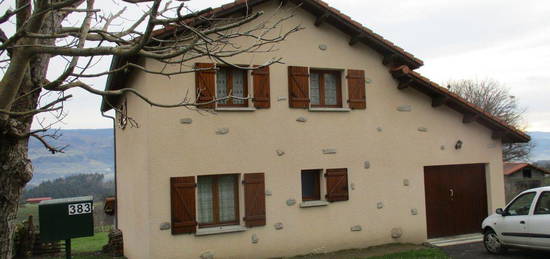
(542, 145)
(88, 151)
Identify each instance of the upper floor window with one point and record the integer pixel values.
(213, 83)
(234, 82)
(321, 88)
(325, 88)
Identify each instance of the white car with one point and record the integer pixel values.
(524, 223)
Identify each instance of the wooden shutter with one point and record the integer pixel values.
(260, 78)
(182, 198)
(337, 184)
(254, 199)
(205, 82)
(298, 87)
(356, 89)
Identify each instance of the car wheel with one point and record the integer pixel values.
(492, 243)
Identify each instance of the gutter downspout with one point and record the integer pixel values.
(115, 165)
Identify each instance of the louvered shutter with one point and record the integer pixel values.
(337, 184)
(205, 84)
(182, 199)
(254, 199)
(356, 89)
(260, 78)
(298, 87)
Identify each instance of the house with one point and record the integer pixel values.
(519, 177)
(343, 146)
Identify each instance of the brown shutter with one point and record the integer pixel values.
(337, 184)
(260, 78)
(254, 199)
(205, 82)
(298, 87)
(356, 89)
(182, 197)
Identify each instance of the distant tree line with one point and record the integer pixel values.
(72, 186)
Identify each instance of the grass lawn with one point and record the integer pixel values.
(27, 209)
(89, 244)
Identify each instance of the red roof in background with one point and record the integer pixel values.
(510, 168)
(38, 199)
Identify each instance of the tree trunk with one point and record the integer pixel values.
(15, 172)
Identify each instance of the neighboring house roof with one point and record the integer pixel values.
(402, 62)
(38, 199)
(510, 168)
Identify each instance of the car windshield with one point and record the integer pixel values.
(521, 205)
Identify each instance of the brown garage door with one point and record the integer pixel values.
(456, 199)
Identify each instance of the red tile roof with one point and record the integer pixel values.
(510, 168)
(424, 84)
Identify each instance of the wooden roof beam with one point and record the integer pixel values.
(470, 117)
(356, 38)
(439, 100)
(405, 84)
(321, 19)
(498, 134)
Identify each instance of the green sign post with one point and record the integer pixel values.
(63, 219)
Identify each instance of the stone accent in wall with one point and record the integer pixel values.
(323, 47)
(164, 226)
(396, 232)
(281, 98)
(254, 239)
(366, 164)
(379, 205)
(406, 182)
(268, 193)
(186, 121)
(327, 151)
(207, 255)
(278, 225)
(422, 129)
(492, 145)
(414, 211)
(290, 202)
(368, 80)
(280, 152)
(404, 108)
(442, 147)
(222, 131)
(356, 228)
(352, 186)
(301, 119)
(379, 129)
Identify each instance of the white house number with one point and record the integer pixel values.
(80, 208)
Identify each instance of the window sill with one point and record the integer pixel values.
(320, 109)
(219, 230)
(309, 204)
(235, 109)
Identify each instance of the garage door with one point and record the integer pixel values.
(456, 199)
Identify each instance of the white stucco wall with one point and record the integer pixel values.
(162, 148)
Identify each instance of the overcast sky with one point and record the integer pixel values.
(506, 40)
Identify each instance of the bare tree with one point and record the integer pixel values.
(494, 98)
(42, 33)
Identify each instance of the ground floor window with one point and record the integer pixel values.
(311, 185)
(218, 200)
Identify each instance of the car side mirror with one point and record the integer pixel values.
(501, 212)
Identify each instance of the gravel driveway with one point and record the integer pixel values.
(476, 250)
